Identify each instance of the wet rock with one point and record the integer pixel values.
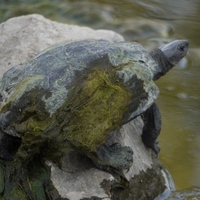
(83, 184)
(144, 180)
(29, 35)
(24, 37)
(188, 194)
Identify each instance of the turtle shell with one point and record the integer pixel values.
(94, 82)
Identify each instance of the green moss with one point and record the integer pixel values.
(96, 108)
(93, 108)
(17, 193)
(32, 123)
(24, 181)
(39, 176)
(20, 89)
(12, 189)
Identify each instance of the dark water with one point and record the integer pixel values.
(152, 23)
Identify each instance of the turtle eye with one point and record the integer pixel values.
(181, 47)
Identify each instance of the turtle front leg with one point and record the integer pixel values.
(152, 127)
(115, 156)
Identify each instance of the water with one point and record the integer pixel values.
(162, 21)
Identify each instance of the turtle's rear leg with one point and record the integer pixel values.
(115, 156)
(152, 127)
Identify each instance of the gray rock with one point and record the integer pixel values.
(24, 37)
(89, 182)
(130, 135)
(187, 194)
(29, 35)
(82, 184)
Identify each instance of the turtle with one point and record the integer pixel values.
(72, 95)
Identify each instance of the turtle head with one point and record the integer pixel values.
(168, 56)
(175, 51)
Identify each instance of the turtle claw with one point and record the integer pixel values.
(156, 149)
(116, 156)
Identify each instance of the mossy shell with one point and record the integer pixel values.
(76, 92)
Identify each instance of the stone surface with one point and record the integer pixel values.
(187, 194)
(29, 35)
(130, 135)
(24, 37)
(83, 184)
(88, 181)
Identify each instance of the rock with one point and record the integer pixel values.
(187, 194)
(144, 173)
(83, 184)
(29, 35)
(24, 37)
